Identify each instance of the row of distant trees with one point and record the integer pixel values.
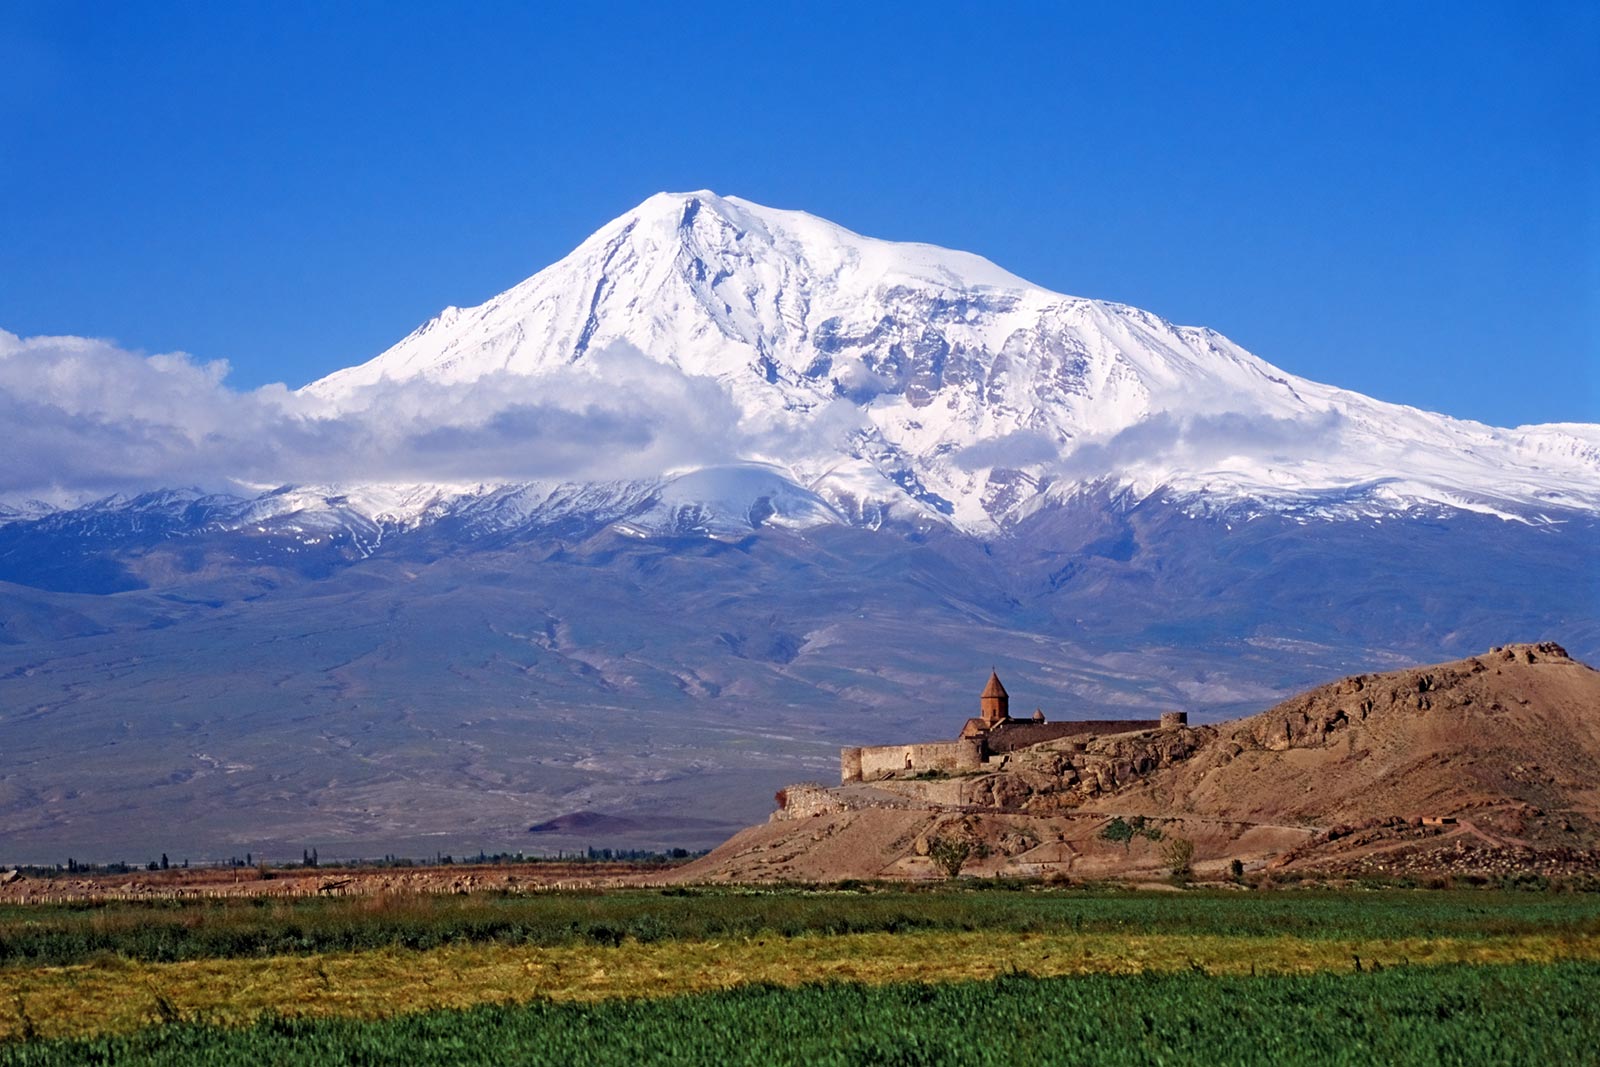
(309, 858)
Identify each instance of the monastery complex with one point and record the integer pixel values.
(992, 732)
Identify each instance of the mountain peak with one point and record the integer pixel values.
(671, 210)
(675, 276)
(945, 384)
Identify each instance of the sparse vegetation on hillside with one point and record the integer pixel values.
(1123, 831)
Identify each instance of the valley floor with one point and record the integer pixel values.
(961, 974)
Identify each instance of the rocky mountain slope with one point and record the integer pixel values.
(1491, 762)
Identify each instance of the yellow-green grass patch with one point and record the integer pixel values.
(118, 995)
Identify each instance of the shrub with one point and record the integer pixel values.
(949, 854)
(1124, 831)
(1178, 854)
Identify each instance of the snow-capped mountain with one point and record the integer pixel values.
(891, 468)
(902, 379)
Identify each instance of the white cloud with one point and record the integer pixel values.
(1205, 442)
(1019, 449)
(83, 416)
(1164, 441)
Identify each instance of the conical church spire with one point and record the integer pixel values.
(995, 702)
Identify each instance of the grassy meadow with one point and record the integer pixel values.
(248, 981)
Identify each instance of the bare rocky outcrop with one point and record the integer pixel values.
(1061, 776)
(1309, 720)
(1498, 735)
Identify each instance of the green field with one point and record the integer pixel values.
(173, 931)
(875, 974)
(1526, 1014)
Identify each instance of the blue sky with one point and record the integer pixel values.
(1400, 199)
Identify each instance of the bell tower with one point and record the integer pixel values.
(995, 704)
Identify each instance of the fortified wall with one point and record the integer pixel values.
(883, 761)
(1012, 734)
(993, 732)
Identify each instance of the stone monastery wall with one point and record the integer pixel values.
(805, 800)
(1012, 735)
(880, 761)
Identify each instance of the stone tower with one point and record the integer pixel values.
(995, 702)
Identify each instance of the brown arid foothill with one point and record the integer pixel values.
(1488, 765)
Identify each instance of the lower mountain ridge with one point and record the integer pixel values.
(368, 688)
(1486, 766)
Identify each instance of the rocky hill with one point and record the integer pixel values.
(1488, 764)
(1514, 730)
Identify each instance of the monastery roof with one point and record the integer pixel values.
(994, 688)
